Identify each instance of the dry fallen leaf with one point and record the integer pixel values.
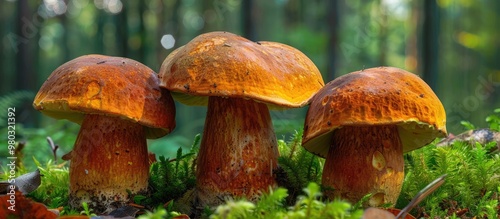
(25, 183)
(18, 206)
(124, 211)
(74, 217)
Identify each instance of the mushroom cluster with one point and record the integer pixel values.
(239, 81)
(118, 103)
(363, 122)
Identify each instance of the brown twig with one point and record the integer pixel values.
(19, 154)
(53, 147)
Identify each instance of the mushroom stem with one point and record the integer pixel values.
(364, 160)
(238, 151)
(109, 157)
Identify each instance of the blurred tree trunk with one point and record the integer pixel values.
(207, 7)
(65, 45)
(3, 47)
(411, 63)
(293, 12)
(247, 12)
(495, 57)
(161, 11)
(176, 25)
(28, 32)
(383, 25)
(99, 42)
(363, 38)
(430, 43)
(142, 32)
(333, 26)
(168, 21)
(121, 23)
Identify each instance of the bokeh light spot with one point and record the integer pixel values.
(167, 41)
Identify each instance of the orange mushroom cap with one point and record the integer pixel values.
(228, 65)
(113, 86)
(375, 96)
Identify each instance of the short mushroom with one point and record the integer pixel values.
(363, 122)
(239, 80)
(119, 104)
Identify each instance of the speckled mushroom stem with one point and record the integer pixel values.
(238, 151)
(364, 160)
(109, 157)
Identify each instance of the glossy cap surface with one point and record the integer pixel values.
(114, 86)
(375, 96)
(227, 65)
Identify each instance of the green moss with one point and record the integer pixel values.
(171, 178)
(273, 205)
(472, 186)
(299, 167)
(54, 189)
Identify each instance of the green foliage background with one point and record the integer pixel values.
(339, 36)
(361, 34)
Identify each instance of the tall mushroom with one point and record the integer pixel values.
(363, 122)
(239, 80)
(118, 103)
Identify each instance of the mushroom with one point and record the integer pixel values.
(363, 122)
(118, 103)
(240, 81)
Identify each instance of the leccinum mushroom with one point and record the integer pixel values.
(118, 103)
(363, 122)
(239, 80)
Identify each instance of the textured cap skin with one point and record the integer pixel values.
(375, 96)
(225, 64)
(114, 86)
